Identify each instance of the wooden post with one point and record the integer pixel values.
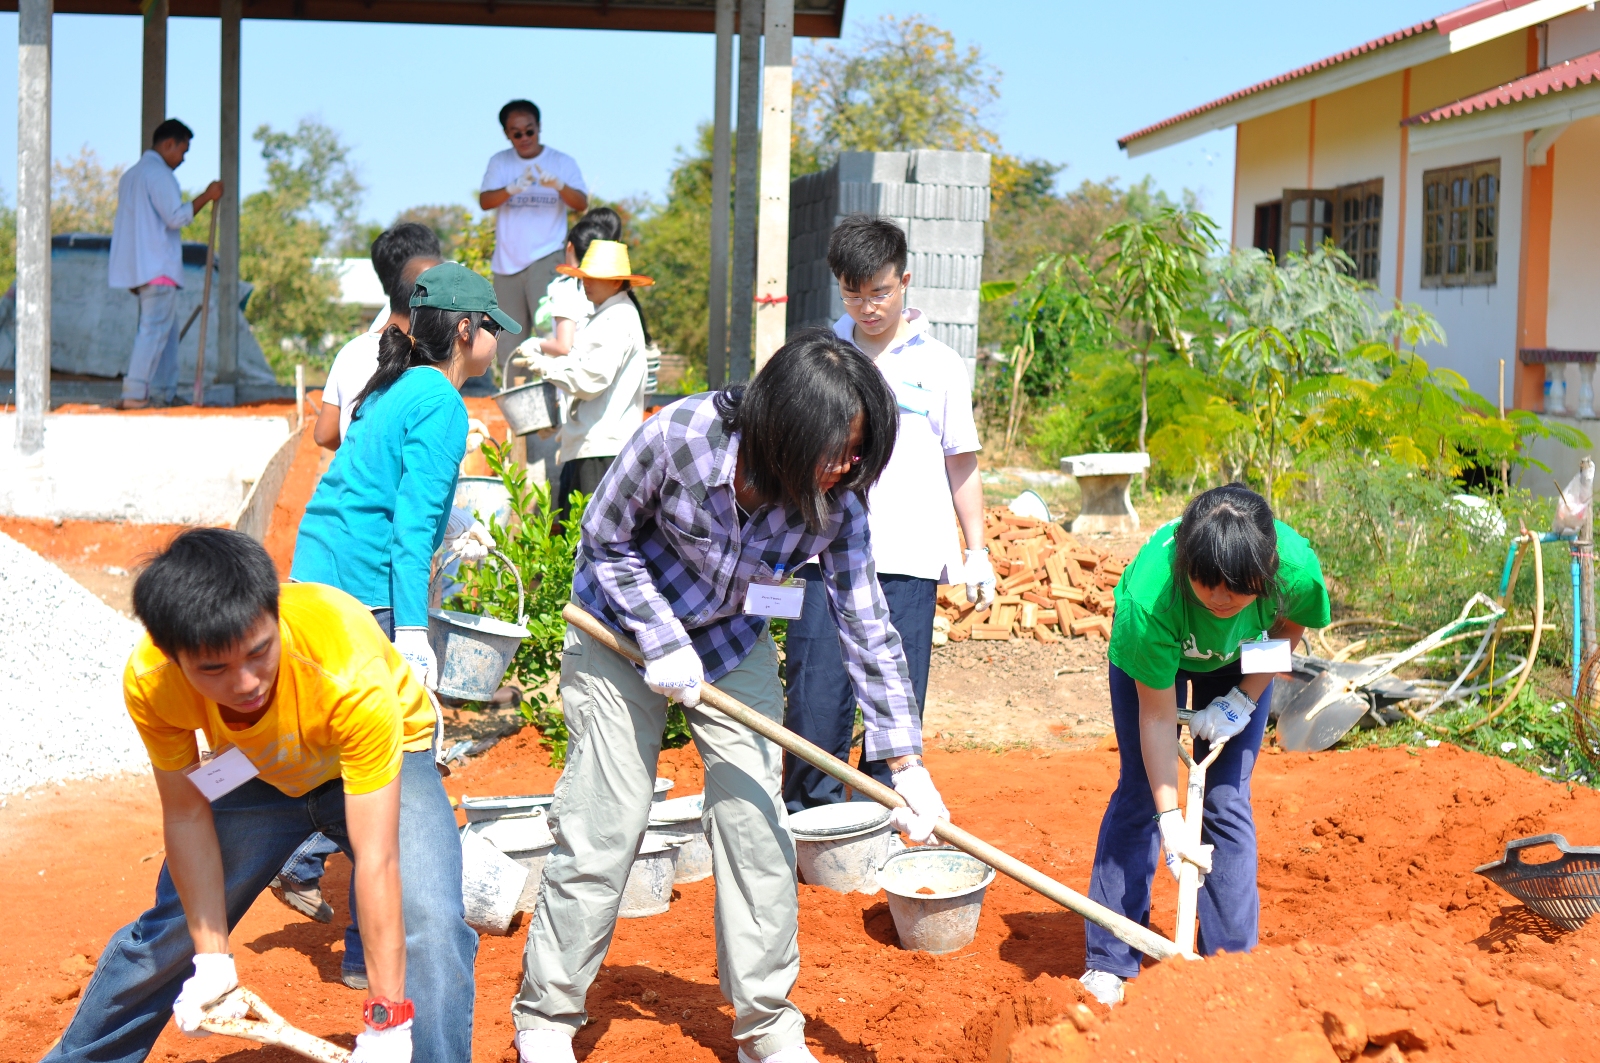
(227, 208)
(772, 248)
(721, 180)
(32, 392)
(153, 95)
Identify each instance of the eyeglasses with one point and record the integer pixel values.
(875, 300)
(842, 467)
(519, 134)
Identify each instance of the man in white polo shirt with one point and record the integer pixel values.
(930, 484)
(530, 186)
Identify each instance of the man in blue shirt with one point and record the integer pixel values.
(147, 259)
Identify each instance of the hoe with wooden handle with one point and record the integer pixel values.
(1142, 938)
(269, 1028)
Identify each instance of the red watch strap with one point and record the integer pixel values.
(390, 1013)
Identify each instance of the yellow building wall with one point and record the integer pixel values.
(1573, 321)
(1271, 156)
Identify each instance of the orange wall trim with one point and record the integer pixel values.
(1232, 242)
(1311, 147)
(1533, 304)
(1400, 204)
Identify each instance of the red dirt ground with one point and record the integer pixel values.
(1373, 927)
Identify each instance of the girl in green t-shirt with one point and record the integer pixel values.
(1224, 573)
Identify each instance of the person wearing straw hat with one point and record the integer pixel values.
(604, 373)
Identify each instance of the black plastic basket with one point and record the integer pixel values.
(1564, 891)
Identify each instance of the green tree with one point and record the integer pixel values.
(1156, 271)
(83, 194)
(672, 242)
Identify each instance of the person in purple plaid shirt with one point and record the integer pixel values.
(712, 495)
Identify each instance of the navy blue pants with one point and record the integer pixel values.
(821, 703)
(1128, 850)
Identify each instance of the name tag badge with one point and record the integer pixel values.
(222, 774)
(779, 601)
(1268, 655)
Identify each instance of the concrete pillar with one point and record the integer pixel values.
(721, 165)
(153, 99)
(772, 247)
(228, 209)
(746, 187)
(33, 222)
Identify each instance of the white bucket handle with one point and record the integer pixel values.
(522, 613)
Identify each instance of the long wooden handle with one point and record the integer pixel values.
(1126, 930)
(269, 1028)
(205, 312)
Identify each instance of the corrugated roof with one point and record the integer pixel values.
(1444, 24)
(1574, 72)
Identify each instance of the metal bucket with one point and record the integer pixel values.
(660, 793)
(485, 497)
(474, 651)
(686, 816)
(840, 846)
(945, 918)
(491, 884)
(525, 838)
(481, 808)
(530, 407)
(648, 890)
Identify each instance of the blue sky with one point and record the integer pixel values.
(417, 104)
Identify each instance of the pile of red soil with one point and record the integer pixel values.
(1376, 936)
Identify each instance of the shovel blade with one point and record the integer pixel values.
(1320, 714)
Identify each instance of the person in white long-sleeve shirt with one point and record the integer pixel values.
(604, 373)
(147, 259)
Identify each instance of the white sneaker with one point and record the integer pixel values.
(793, 1054)
(1103, 986)
(544, 1046)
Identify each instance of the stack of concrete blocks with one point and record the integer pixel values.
(940, 199)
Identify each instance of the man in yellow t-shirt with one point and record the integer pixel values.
(318, 724)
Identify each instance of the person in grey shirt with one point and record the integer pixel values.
(147, 259)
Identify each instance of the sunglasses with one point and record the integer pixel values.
(491, 326)
(519, 134)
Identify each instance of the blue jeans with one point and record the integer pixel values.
(308, 863)
(129, 998)
(1128, 849)
(153, 366)
(821, 699)
(306, 867)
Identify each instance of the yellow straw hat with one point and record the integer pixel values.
(606, 260)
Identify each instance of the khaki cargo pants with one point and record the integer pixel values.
(602, 804)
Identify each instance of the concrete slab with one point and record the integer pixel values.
(147, 470)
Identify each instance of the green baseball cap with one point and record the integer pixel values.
(452, 286)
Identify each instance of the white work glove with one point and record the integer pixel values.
(923, 806)
(980, 578)
(384, 1046)
(1224, 717)
(522, 182)
(477, 433)
(412, 642)
(550, 180)
(214, 978)
(474, 544)
(676, 676)
(526, 353)
(1178, 850)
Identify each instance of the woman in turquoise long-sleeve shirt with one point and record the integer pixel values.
(381, 509)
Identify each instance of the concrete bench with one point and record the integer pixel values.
(1103, 481)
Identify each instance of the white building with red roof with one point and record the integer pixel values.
(1457, 161)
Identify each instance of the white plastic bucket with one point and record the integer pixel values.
(686, 816)
(491, 884)
(840, 846)
(945, 918)
(648, 890)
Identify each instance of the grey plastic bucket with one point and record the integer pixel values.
(530, 407)
(523, 836)
(648, 890)
(491, 884)
(485, 497)
(474, 651)
(840, 846)
(947, 918)
(686, 816)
